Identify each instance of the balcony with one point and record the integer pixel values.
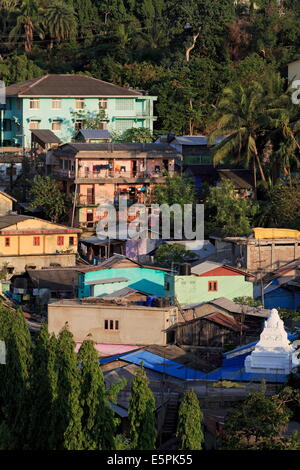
(120, 177)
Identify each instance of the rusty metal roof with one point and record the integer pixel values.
(225, 320)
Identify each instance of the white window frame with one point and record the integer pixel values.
(103, 101)
(79, 103)
(54, 123)
(37, 124)
(34, 103)
(56, 101)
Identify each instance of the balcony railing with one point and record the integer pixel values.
(120, 174)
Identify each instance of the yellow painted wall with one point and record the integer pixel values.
(275, 233)
(23, 244)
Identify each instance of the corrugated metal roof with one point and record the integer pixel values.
(161, 364)
(94, 133)
(159, 150)
(123, 293)
(7, 220)
(205, 267)
(46, 136)
(115, 259)
(224, 320)
(241, 178)
(107, 281)
(239, 308)
(55, 279)
(196, 140)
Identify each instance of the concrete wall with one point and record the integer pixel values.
(194, 289)
(40, 261)
(151, 281)
(137, 325)
(268, 254)
(6, 205)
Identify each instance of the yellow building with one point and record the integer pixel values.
(29, 241)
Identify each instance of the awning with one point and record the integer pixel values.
(107, 281)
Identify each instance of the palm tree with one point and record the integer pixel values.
(256, 121)
(240, 118)
(28, 21)
(60, 21)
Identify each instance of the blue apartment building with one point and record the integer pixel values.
(59, 102)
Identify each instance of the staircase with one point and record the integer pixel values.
(171, 416)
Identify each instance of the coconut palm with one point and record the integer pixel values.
(60, 21)
(28, 22)
(255, 119)
(240, 118)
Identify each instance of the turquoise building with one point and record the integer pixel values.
(61, 103)
(104, 282)
(118, 272)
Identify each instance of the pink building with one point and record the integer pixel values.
(101, 173)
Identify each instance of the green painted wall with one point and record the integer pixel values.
(194, 289)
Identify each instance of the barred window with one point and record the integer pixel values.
(125, 104)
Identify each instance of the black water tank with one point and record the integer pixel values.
(185, 269)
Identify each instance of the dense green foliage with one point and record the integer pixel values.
(176, 253)
(98, 423)
(141, 413)
(67, 413)
(186, 53)
(189, 432)
(14, 388)
(258, 423)
(46, 194)
(227, 213)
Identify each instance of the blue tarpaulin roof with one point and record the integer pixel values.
(232, 367)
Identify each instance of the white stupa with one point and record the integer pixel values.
(273, 354)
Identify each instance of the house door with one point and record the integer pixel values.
(134, 168)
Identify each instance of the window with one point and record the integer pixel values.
(7, 241)
(36, 241)
(71, 241)
(124, 124)
(102, 103)
(124, 104)
(34, 125)
(102, 125)
(34, 103)
(78, 125)
(212, 286)
(56, 103)
(60, 240)
(111, 324)
(79, 103)
(56, 125)
(90, 216)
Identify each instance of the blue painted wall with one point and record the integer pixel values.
(282, 298)
(151, 281)
(138, 112)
